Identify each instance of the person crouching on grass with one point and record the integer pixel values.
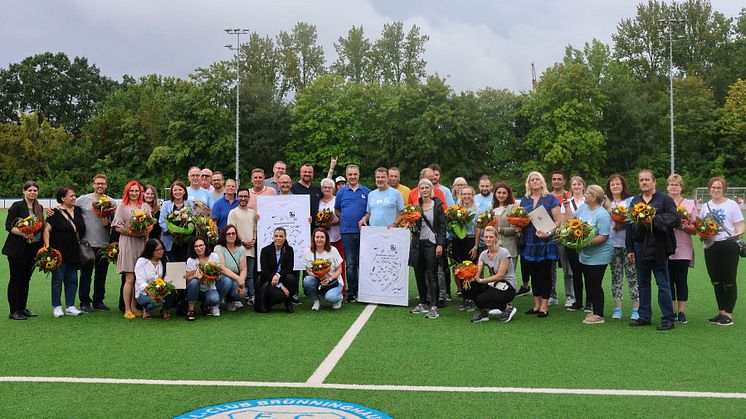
(496, 291)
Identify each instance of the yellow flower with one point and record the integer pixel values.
(159, 281)
(574, 223)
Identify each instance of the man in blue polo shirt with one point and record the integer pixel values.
(224, 205)
(350, 207)
(384, 203)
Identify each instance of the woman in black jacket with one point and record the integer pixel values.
(277, 282)
(427, 249)
(21, 250)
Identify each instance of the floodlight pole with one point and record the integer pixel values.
(237, 50)
(668, 27)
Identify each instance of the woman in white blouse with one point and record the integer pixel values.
(149, 266)
(321, 248)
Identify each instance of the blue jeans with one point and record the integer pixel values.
(67, 274)
(194, 294)
(311, 287)
(644, 272)
(250, 264)
(228, 289)
(149, 305)
(101, 265)
(351, 245)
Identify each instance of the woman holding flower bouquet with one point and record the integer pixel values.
(503, 205)
(62, 232)
(683, 259)
(150, 197)
(131, 221)
(177, 245)
(277, 282)
(620, 197)
(596, 254)
(24, 223)
(466, 248)
(232, 254)
(722, 249)
(201, 285)
(327, 202)
(540, 250)
(324, 271)
(150, 267)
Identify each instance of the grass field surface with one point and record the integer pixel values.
(393, 348)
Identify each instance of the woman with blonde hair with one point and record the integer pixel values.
(683, 259)
(458, 184)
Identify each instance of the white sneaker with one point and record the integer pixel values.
(569, 302)
(215, 311)
(230, 306)
(495, 312)
(316, 305)
(337, 305)
(73, 311)
(553, 301)
(238, 305)
(57, 312)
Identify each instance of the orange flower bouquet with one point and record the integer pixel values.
(111, 252)
(466, 271)
(411, 213)
(141, 224)
(48, 259)
(320, 267)
(619, 214)
(485, 219)
(103, 206)
(29, 226)
(519, 217)
(158, 290)
(575, 234)
(706, 227)
(642, 213)
(209, 273)
(683, 214)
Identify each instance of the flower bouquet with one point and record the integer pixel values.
(411, 213)
(320, 267)
(141, 224)
(619, 214)
(706, 227)
(158, 290)
(103, 206)
(485, 219)
(683, 214)
(209, 273)
(575, 234)
(458, 217)
(324, 217)
(180, 221)
(207, 228)
(642, 213)
(519, 217)
(111, 252)
(29, 226)
(48, 259)
(466, 271)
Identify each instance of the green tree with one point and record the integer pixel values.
(398, 57)
(639, 40)
(732, 147)
(354, 56)
(301, 59)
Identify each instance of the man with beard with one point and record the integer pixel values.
(384, 203)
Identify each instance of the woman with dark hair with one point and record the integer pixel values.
(200, 252)
(276, 283)
(503, 204)
(150, 266)
(21, 248)
(232, 254)
(150, 197)
(682, 260)
(619, 196)
(176, 246)
(321, 248)
(62, 232)
(540, 251)
(427, 248)
(721, 251)
(131, 243)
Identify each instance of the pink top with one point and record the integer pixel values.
(684, 249)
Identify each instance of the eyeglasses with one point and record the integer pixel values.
(243, 197)
(232, 233)
(716, 187)
(158, 249)
(206, 175)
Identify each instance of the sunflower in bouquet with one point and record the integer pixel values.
(324, 217)
(683, 214)
(158, 290)
(706, 227)
(111, 253)
(48, 259)
(103, 206)
(519, 217)
(575, 234)
(458, 217)
(141, 224)
(466, 271)
(29, 226)
(320, 267)
(209, 272)
(619, 214)
(642, 213)
(207, 228)
(485, 219)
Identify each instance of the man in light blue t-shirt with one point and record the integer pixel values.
(384, 203)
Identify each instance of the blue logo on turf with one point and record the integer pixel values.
(285, 408)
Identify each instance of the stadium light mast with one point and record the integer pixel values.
(237, 50)
(667, 26)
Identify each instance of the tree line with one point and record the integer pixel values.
(602, 109)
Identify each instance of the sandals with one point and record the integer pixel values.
(165, 315)
(146, 315)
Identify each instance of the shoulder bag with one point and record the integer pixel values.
(86, 255)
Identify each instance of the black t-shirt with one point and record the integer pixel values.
(63, 237)
(313, 190)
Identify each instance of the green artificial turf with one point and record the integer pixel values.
(394, 348)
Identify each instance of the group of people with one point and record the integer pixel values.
(635, 251)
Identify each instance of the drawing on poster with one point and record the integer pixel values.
(384, 272)
(289, 212)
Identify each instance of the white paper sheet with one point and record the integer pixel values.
(384, 272)
(541, 220)
(175, 273)
(290, 212)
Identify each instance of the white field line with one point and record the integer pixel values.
(339, 350)
(376, 387)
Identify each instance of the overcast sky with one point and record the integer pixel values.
(474, 43)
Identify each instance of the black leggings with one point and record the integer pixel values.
(541, 277)
(426, 273)
(722, 266)
(487, 297)
(20, 275)
(594, 274)
(678, 270)
(577, 275)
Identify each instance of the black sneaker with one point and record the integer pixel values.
(441, 304)
(100, 307)
(715, 320)
(575, 307)
(640, 322)
(682, 318)
(295, 300)
(190, 316)
(480, 316)
(86, 308)
(665, 326)
(523, 291)
(351, 298)
(588, 308)
(725, 321)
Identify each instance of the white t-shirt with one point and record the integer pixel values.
(192, 264)
(333, 255)
(727, 214)
(333, 230)
(145, 272)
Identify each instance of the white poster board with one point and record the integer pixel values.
(384, 272)
(290, 212)
(175, 273)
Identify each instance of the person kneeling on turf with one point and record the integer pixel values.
(323, 281)
(496, 291)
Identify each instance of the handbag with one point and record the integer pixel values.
(741, 244)
(86, 255)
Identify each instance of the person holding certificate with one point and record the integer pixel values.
(540, 250)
